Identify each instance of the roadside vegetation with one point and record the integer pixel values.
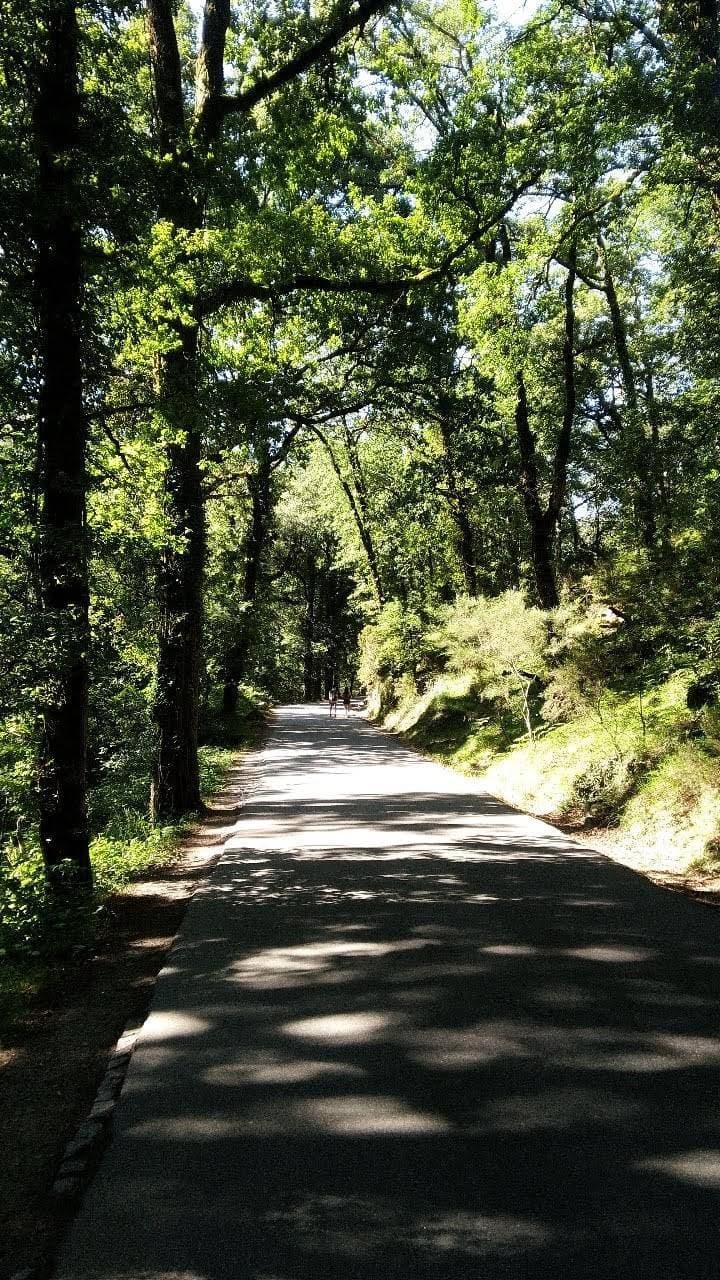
(40, 930)
(569, 714)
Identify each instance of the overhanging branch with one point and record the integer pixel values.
(354, 18)
(243, 289)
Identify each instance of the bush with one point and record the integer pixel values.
(599, 793)
(126, 846)
(399, 644)
(492, 637)
(505, 642)
(239, 728)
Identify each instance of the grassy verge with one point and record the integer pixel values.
(35, 934)
(642, 770)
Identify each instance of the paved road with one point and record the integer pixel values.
(408, 1032)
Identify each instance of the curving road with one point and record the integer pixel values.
(408, 1032)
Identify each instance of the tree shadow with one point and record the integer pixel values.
(418, 1036)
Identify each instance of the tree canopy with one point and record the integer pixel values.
(340, 319)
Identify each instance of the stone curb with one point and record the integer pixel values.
(82, 1153)
(84, 1150)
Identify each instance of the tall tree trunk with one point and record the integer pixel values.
(562, 448)
(637, 445)
(176, 779)
(658, 462)
(176, 783)
(310, 584)
(466, 538)
(458, 506)
(62, 433)
(540, 537)
(184, 149)
(236, 659)
(543, 523)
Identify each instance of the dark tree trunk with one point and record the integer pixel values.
(562, 448)
(543, 523)
(309, 681)
(184, 147)
(260, 498)
(459, 510)
(176, 782)
(62, 431)
(658, 462)
(461, 516)
(540, 538)
(636, 444)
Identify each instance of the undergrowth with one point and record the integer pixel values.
(35, 928)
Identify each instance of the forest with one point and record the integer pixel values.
(364, 343)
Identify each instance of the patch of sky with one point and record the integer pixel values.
(515, 13)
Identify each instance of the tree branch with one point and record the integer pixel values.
(283, 449)
(243, 289)
(167, 73)
(114, 410)
(356, 17)
(116, 445)
(312, 420)
(210, 70)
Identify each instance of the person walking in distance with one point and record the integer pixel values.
(346, 700)
(333, 700)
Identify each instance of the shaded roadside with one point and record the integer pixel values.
(53, 1056)
(700, 881)
(408, 1031)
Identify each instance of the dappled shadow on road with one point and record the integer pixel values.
(437, 1040)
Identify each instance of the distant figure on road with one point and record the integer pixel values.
(346, 700)
(333, 700)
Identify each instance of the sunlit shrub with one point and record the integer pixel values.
(504, 641)
(398, 643)
(599, 793)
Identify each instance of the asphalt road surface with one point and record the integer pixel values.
(408, 1032)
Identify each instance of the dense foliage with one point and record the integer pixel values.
(356, 343)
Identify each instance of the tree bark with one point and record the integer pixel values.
(62, 434)
(176, 778)
(310, 587)
(461, 516)
(543, 523)
(260, 498)
(658, 462)
(459, 509)
(540, 534)
(209, 70)
(637, 445)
